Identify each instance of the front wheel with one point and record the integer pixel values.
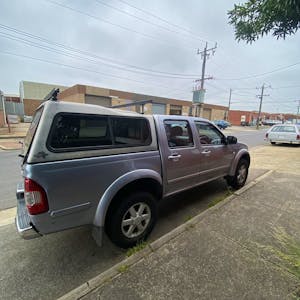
(239, 179)
(132, 220)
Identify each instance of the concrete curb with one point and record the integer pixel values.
(8, 137)
(8, 148)
(115, 271)
(7, 216)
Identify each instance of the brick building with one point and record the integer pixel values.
(144, 103)
(12, 98)
(33, 93)
(237, 117)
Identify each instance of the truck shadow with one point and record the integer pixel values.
(175, 210)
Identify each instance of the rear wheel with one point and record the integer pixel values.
(239, 179)
(132, 220)
(273, 143)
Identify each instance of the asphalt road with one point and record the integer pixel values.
(9, 177)
(49, 267)
(252, 138)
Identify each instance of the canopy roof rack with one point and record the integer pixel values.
(52, 95)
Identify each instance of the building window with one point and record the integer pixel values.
(175, 110)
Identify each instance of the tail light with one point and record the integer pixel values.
(298, 136)
(35, 197)
(267, 135)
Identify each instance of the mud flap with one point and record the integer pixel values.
(97, 233)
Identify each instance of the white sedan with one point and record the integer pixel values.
(284, 133)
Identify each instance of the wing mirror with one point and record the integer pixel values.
(231, 139)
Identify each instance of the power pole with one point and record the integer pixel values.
(3, 106)
(261, 96)
(298, 110)
(204, 55)
(229, 103)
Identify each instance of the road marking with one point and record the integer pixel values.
(7, 216)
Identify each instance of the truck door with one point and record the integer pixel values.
(216, 155)
(180, 154)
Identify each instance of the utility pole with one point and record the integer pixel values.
(200, 89)
(298, 111)
(3, 106)
(229, 103)
(261, 96)
(205, 55)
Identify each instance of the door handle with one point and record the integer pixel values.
(174, 156)
(206, 152)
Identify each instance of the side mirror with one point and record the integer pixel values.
(231, 139)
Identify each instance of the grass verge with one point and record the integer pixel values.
(123, 268)
(135, 249)
(220, 198)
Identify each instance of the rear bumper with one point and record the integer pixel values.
(25, 229)
(284, 141)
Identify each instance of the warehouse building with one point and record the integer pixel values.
(33, 93)
(140, 103)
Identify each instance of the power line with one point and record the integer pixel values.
(110, 23)
(81, 69)
(164, 20)
(262, 74)
(217, 87)
(286, 87)
(112, 63)
(30, 43)
(73, 67)
(146, 21)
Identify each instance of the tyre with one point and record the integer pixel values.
(132, 220)
(273, 143)
(239, 179)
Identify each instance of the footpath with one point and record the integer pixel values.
(245, 247)
(13, 140)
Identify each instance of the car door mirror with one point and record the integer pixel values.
(231, 139)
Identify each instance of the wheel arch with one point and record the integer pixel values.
(242, 154)
(143, 179)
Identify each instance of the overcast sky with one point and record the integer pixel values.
(87, 42)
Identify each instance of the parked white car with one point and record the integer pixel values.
(284, 133)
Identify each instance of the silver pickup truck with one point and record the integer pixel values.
(91, 165)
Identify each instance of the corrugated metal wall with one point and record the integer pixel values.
(159, 109)
(14, 108)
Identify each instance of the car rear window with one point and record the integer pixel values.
(72, 132)
(284, 129)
